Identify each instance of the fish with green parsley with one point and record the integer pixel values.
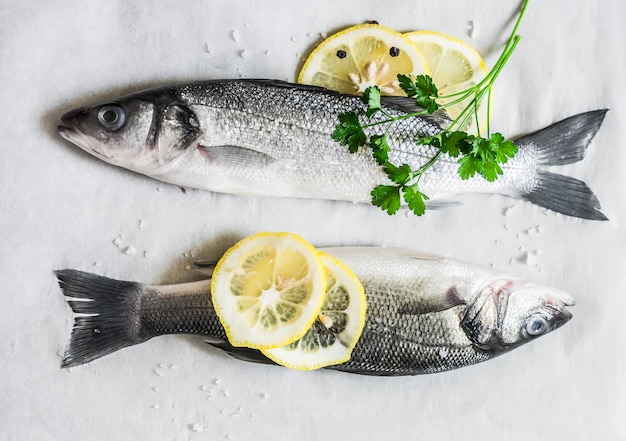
(271, 138)
(424, 313)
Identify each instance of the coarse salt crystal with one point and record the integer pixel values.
(196, 427)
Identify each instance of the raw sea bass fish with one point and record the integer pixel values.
(269, 138)
(425, 314)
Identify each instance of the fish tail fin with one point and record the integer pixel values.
(108, 317)
(564, 142)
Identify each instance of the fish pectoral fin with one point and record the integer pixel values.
(241, 353)
(235, 156)
(435, 303)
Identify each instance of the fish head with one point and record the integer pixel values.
(506, 313)
(143, 132)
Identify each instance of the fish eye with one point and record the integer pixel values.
(111, 117)
(537, 325)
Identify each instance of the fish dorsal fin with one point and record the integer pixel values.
(377, 252)
(235, 156)
(295, 86)
(407, 105)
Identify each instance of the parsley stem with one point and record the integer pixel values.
(418, 174)
(484, 86)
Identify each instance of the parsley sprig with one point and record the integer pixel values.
(476, 155)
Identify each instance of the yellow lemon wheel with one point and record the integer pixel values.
(268, 290)
(356, 58)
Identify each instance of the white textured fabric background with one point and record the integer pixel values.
(63, 208)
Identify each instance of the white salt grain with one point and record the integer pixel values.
(196, 427)
(509, 210)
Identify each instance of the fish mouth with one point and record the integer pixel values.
(557, 304)
(79, 139)
(66, 133)
(561, 316)
(67, 128)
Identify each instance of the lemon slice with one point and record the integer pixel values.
(454, 66)
(336, 331)
(356, 58)
(268, 290)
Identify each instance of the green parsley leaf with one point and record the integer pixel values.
(495, 140)
(349, 131)
(427, 93)
(423, 89)
(482, 149)
(408, 85)
(380, 148)
(415, 199)
(371, 97)
(400, 175)
(490, 170)
(469, 166)
(387, 197)
(506, 150)
(435, 140)
(453, 142)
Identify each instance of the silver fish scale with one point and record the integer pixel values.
(192, 313)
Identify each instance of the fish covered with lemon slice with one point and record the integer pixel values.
(379, 311)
